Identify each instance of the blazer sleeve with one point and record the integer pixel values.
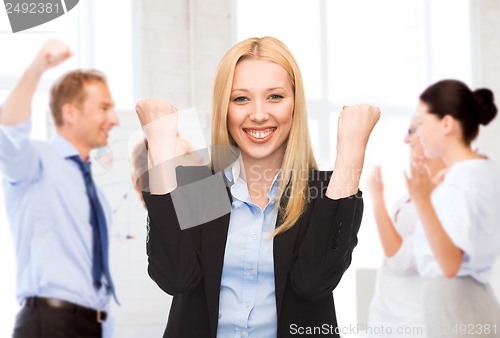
(172, 258)
(325, 252)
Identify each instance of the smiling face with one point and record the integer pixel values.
(260, 110)
(411, 138)
(431, 131)
(96, 116)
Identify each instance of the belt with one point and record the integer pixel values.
(91, 314)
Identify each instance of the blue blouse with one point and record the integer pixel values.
(247, 303)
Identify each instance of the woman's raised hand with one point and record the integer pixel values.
(356, 123)
(149, 110)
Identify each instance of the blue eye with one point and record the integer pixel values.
(240, 99)
(276, 97)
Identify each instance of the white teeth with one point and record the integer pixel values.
(259, 134)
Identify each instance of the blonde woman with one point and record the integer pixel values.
(457, 240)
(268, 266)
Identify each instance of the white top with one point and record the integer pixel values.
(404, 218)
(468, 206)
(397, 300)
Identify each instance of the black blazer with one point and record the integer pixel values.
(309, 261)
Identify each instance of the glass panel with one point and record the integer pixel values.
(19, 49)
(295, 23)
(374, 52)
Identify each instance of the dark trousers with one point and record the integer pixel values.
(47, 322)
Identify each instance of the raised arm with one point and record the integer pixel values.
(354, 128)
(17, 108)
(18, 158)
(159, 123)
(389, 237)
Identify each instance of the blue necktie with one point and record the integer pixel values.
(100, 244)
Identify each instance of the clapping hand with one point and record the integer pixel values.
(419, 184)
(375, 182)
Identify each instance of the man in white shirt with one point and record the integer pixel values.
(59, 219)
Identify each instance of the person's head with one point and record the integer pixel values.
(83, 109)
(450, 114)
(417, 152)
(259, 107)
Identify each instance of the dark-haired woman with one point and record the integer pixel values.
(458, 239)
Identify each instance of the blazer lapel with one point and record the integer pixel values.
(283, 248)
(213, 246)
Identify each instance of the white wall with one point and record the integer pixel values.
(487, 65)
(486, 28)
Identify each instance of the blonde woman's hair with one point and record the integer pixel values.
(298, 158)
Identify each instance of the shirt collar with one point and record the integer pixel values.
(63, 146)
(233, 171)
(239, 188)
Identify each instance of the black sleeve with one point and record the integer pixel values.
(325, 252)
(172, 254)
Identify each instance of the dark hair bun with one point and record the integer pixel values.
(485, 105)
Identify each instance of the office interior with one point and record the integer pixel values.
(382, 52)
